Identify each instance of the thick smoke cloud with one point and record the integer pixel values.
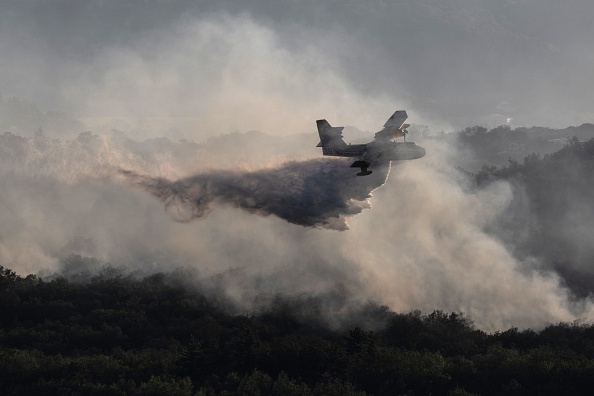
(198, 77)
(442, 252)
(179, 71)
(315, 193)
(428, 244)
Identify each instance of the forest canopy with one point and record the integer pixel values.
(119, 334)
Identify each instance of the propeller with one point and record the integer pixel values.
(393, 132)
(396, 133)
(404, 131)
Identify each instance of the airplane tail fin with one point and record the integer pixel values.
(330, 137)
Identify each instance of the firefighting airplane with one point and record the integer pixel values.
(382, 147)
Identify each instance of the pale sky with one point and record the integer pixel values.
(449, 63)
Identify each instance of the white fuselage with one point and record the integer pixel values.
(387, 150)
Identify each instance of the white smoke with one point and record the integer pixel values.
(424, 245)
(204, 77)
(430, 250)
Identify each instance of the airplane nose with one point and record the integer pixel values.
(421, 152)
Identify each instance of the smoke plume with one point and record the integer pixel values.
(170, 71)
(313, 193)
(429, 243)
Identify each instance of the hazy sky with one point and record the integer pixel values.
(205, 67)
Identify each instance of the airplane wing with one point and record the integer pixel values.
(394, 127)
(370, 157)
(366, 159)
(397, 120)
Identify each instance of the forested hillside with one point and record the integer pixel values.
(551, 215)
(478, 145)
(117, 335)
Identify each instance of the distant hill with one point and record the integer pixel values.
(479, 146)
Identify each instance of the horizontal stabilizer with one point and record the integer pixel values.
(330, 136)
(325, 128)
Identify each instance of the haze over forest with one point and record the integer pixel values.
(214, 93)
